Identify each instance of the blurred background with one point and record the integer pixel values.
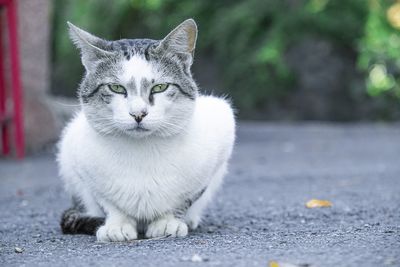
(279, 60)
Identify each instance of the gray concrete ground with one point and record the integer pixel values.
(258, 216)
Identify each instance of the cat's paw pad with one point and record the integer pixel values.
(116, 232)
(171, 227)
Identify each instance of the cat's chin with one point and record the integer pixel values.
(138, 132)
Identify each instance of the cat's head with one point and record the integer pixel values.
(138, 87)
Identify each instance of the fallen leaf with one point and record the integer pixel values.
(316, 203)
(285, 264)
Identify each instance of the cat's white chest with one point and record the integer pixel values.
(144, 180)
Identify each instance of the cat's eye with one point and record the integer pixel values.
(159, 88)
(116, 88)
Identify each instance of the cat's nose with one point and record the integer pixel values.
(138, 116)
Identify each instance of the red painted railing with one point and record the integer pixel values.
(11, 118)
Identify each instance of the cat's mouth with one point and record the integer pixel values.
(138, 128)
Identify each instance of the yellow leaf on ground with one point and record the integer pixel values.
(285, 264)
(316, 203)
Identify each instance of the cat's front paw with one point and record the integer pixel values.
(116, 232)
(169, 226)
(193, 221)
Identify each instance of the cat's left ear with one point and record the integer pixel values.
(181, 40)
(93, 49)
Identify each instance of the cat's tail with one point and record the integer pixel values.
(73, 221)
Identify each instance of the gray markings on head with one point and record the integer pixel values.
(131, 86)
(145, 93)
(106, 97)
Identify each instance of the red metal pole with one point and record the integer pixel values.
(5, 140)
(15, 77)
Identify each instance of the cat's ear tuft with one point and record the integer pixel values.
(182, 39)
(92, 48)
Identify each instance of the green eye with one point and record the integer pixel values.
(116, 88)
(159, 88)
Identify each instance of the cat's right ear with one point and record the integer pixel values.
(93, 49)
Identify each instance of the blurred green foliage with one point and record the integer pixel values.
(248, 39)
(380, 49)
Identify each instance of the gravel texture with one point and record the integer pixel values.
(258, 216)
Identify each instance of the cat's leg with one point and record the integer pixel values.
(167, 225)
(118, 226)
(90, 205)
(193, 215)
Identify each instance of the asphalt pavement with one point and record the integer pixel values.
(258, 216)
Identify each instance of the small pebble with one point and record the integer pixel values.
(18, 250)
(196, 258)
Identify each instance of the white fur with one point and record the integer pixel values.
(146, 179)
(136, 68)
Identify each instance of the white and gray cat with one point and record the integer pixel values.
(146, 152)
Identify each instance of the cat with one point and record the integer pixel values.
(146, 152)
